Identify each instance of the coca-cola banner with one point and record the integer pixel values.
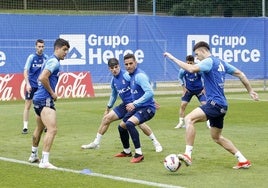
(70, 85)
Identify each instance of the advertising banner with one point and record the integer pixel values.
(70, 85)
(95, 39)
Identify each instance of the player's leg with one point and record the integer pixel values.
(197, 115)
(216, 134)
(185, 99)
(106, 121)
(183, 106)
(117, 113)
(148, 131)
(104, 126)
(203, 100)
(141, 115)
(48, 117)
(124, 137)
(36, 139)
(26, 112)
(224, 142)
(134, 134)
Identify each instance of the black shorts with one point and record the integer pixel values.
(215, 113)
(189, 94)
(29, 96)
(120, 110)
(143, 114)
(39, 105)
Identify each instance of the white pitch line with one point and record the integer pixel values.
(97, 174)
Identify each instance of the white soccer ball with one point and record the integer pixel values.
(172, 163)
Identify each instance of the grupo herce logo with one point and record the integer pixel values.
(77, 51)
(97, 49)
(193, 39)
(2, 58)
(228, 48)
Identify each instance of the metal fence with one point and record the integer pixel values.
(218, 8)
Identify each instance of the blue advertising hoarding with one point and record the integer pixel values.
(94, 39)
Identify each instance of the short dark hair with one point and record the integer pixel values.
(189, 58)
(128, 56)
(112, 62)
(39, 41)
(61, 42)
(201, 44)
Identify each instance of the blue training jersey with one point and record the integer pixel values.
(213, 71)
(53, 66)
(120, 86)
(33, 66)
(141, 89)
(191, 81)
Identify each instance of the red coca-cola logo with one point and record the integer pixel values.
(6, 90)
(70, 85)
(73, 85)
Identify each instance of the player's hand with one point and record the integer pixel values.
(28, 88)
(107, 110)
(254, 95)
(157, 105)
(54, 96)
(167, 54)
(130, 107)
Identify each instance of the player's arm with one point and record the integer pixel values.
(180, 77)
(44, 79)
(243, 78)
(46, 57)
(50, 67)
(26, 78)
(143, 81)
(182, 81)
(26, 73)
(190, 68)
(112, 99)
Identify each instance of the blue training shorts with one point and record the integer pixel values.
(189, 94)
(29, 96)
(143, 114)
(215, 113)
(120, 110)
(39, 105)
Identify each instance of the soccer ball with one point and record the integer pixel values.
(172, 163)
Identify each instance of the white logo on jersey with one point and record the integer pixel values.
(221, 68)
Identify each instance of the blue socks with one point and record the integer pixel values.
(134, 134)
(124, 136)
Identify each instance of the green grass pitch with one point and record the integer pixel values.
(78, 119)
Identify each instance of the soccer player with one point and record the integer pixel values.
(44, 106)
(213, 72)
(31, 72)
(141, 109)
(120, 86)
(192, 84)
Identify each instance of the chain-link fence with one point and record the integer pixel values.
(218, 8)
